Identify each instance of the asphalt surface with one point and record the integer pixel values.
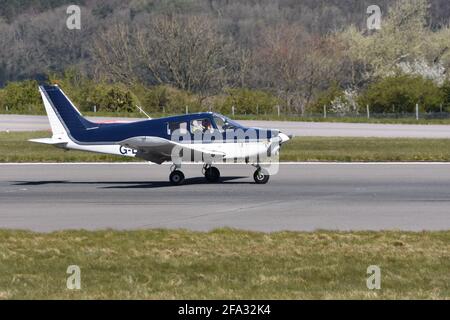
(299, 129)
(301, 197)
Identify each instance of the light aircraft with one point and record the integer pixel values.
(206, 138)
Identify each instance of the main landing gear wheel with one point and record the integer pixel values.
(261, 176)
(212, 174)
(176, 177)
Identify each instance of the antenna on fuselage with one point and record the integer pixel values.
(142, 111)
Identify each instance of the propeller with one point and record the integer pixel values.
(277, 142)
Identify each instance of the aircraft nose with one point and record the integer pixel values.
(284, 137)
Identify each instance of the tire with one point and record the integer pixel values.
(176, 177)
(261, 176)
(212, 174)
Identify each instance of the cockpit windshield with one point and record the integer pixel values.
(223, 123)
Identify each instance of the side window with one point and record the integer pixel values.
(173, 126)
(201, 125)
(220, 123)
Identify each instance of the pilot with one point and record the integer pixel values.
(206, 124)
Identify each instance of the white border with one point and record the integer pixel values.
(221, 164)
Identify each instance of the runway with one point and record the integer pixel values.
(302, 197)
(298, 129)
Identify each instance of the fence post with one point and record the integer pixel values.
(368, 112)
(7, 108)
(95, 109)
(187, 109)
(324, 111)
(278, 109)
(417, 111)
(232, 110)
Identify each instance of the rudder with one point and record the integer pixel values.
(63, 116)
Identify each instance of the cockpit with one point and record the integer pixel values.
(203, 123)
(223, 123)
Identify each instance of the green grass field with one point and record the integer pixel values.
(14, 147)
(224, 264)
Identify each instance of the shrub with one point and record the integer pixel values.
(110, 98)
(446, 95)
(21, 97)
(166, 99)
(326, 98)
(85, 93)
(401, 94)
(248, 101)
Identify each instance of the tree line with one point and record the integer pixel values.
(218, 54)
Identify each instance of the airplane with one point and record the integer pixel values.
(206, 138)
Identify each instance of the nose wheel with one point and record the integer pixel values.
(212, 174)
(176, 177)
(261, 176)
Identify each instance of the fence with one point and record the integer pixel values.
(327, 114)
(278, 112)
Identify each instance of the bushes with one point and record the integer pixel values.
(21, 97)
(169, 100)
(86, 93)
(394, 94)
(400, 94)
(326, 98)
(247, 101)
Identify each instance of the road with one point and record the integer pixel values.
(299, 129)
(302, 197)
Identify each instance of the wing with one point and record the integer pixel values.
(159, 150)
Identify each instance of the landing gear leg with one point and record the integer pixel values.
(261, 176)
(212, 174)
(176, 176)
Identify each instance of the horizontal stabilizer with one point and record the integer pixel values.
(50, 141)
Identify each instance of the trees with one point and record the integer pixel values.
(297, 64)
(185, 51)
(293, 49)
(114, 54)
(403, 39)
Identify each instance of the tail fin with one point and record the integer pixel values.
(64, 117)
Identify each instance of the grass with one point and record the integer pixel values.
(224, 264)
(366, 149)
(14, 147)
(406, 120)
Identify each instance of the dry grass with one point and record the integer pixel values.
(224, 264)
